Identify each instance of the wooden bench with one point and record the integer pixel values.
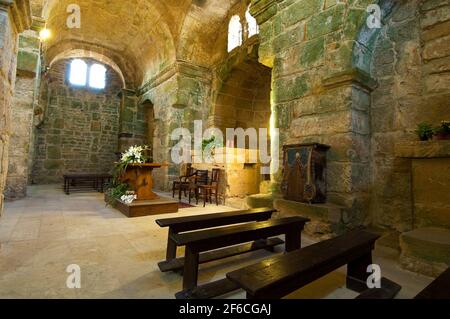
(190, 223)
(438, 289)
(211, 239)
(77, 182)
(279, 276)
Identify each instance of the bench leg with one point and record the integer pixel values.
(171, 248)
(357, 273)
(293, 239)
(190, 274)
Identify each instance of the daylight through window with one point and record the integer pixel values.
(78, 72)
(97, 76)
(234, 33)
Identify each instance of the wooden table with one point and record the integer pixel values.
(139, 178)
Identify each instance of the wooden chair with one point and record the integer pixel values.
(199, 178)
(207, 191)
(183, 183)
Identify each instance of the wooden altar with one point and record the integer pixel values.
(140, 180)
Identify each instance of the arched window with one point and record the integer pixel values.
(252, 24)
(78, 72)
(234, 33)
(97, 76)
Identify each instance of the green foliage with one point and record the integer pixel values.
(424, 131)
(443, 129)
(207, 142)
(116, 191)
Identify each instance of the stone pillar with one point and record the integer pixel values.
(15, 17)
(28, 62)
(129, 128)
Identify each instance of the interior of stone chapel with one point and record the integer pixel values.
(198, 149)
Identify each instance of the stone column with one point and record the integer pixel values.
(15, 17)
(128, 120)
(28, 61)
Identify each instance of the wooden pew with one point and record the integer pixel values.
(190, 223)
(206, 240)
(281, 275)
(438, 289)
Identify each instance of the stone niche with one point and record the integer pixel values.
(430, 170)
(240, 178)
(426, 249)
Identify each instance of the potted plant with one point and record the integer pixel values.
(442, 132)
(425, 131)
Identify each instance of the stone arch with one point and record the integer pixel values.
(242, 96)
(142, 41)
(73, 54)
(127, 69)
(366, 37)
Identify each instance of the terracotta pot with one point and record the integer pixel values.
(442, 136)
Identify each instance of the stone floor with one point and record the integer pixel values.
(42, 235)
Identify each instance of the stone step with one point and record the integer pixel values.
(260, 200)
(426, 250)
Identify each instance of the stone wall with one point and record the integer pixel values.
(179, 96)
(14, 18)
(411, 62)
(80, 127)
(22, 115)
(317, 94)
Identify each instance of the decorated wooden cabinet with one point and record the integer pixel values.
(305, 173)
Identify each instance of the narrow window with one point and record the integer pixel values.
(97, 76)
(234, 33)
(253, 28)
(78, 72)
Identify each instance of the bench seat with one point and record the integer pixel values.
(281, 275)
(201, 241)
(190, 223)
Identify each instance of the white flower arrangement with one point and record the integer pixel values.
(128, 199)
(135, 155)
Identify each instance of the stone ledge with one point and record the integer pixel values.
(354, 76)
(429, 149)
(327, 220)
(260, 200)
(426, 250)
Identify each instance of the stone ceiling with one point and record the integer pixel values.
(141, 36)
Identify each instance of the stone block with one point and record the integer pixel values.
(426, 250)
(260, 200)
(325, 22)
(299, 11)
(326, 220)
(437, 48)
(435, 16)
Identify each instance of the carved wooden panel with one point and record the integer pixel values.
(305, 173)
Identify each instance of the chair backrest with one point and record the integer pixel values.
(202, 177)
(189, 170)
(215, 176)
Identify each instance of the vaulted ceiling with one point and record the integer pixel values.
(141, 36)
